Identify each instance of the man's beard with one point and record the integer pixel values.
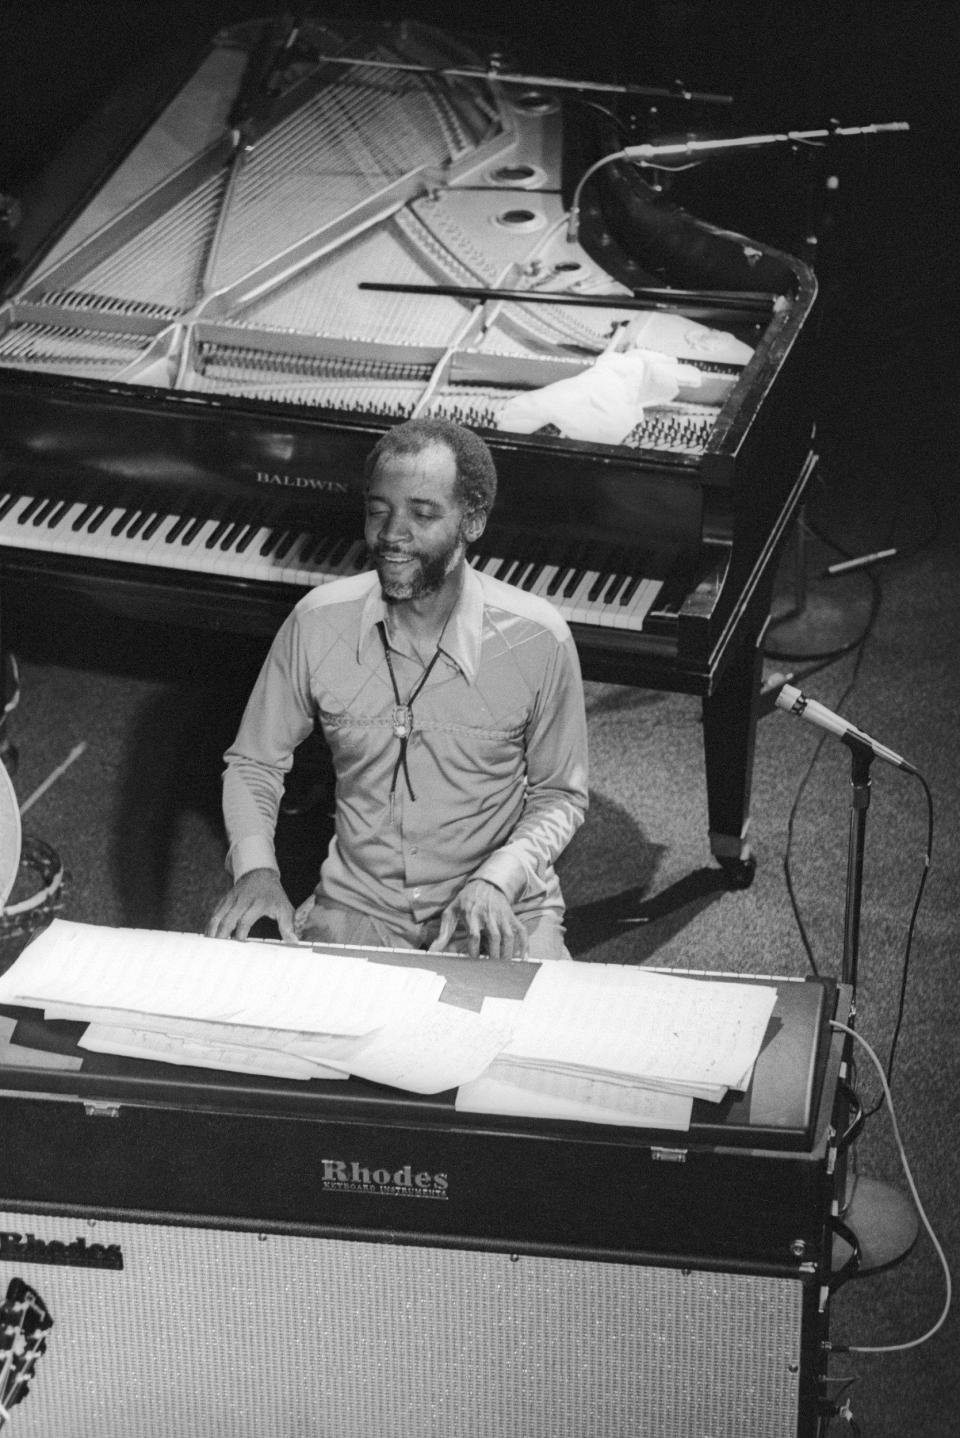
(426, 578)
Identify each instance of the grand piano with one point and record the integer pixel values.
(313, 230)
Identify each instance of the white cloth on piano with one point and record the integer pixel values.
(685, 339)
(604, 403)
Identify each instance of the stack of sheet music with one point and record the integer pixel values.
(599, 1042)
(614, 1044)
(258, 1008)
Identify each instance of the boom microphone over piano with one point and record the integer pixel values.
(692, 149)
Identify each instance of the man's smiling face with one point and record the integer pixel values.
(416, 528)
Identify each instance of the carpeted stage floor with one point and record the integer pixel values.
(136, 817)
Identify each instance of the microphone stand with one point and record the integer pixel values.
(883, 1220)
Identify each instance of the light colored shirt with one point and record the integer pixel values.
(497, 757)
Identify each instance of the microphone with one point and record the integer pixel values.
(794, 701)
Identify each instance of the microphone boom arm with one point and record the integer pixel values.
(647, 155)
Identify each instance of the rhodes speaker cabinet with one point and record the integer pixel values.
(204, 1255)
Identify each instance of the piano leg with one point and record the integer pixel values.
(729, 735)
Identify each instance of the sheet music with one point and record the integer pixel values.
(549, 1092)
(430, 1051)
(86, 971)
(697, 1033)
(549, 1095)
(172, 1047)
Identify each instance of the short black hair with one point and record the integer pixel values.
(476, 483)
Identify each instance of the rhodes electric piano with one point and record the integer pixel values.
(317, 232)
(222, 1254)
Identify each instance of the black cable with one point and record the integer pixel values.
(911, 927)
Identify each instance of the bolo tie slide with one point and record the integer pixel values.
(403, 714)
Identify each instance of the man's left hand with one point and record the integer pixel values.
(485, 912)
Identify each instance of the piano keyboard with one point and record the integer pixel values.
(239, 548)
(584, 595)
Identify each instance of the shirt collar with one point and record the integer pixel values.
(462, 636)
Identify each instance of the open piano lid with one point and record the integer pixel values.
(224, 257)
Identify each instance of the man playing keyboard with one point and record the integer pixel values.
(452, 705)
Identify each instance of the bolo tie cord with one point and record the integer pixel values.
(403, 713)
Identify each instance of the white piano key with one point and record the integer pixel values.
(641, 602)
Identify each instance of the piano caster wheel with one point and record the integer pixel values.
(738, 872)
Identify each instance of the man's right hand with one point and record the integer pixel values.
(258, 894)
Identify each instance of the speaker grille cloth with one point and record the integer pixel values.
(219, 1334)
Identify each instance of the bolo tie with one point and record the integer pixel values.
(403, 713)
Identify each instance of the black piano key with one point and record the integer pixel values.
(192, 530)
(27, 513)
(176, 528)
(40, 515)
(97, 518)
(152, 525)
(57, 513)
(572, 583)
(247, 537)
(613, 588)
(597, 587)
(217, 533)
(326, 550)
(138, 522)
(634, 583)
(564, 563)
(605, 559)
(81, 519)
(335, 559)
(272, 540)
(120, 524)
(569, 571)
(485, 561)
(232, 533)
(304, 547)
(8, 503)
(535, 558)
(288, 546)
(319, 550)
